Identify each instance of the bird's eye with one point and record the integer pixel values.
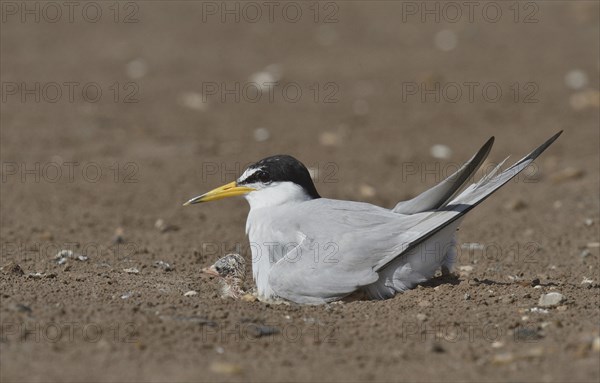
(264, 177)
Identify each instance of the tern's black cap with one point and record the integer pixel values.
(281, 168)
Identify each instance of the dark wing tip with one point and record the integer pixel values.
(543, 147)
(488, 145)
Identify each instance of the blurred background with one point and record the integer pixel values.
(115, 113)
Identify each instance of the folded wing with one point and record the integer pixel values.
(345, 244)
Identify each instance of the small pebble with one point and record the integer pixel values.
(62, 256)
(526, 334)
(588, 222)
(276, 70)
(163, 227)
(263, 81)
(23, 308)
(576, 79)
(35, 275)
(190, 293)
(261, 134)
(163, 265)
(137, 68)
(329, 139)
(421, 317)
(127, 295)
(131, 270)
(567, 174)
(551, 299)
(538, 310)
(119, 235)
(13, 268)
(47, 236)
(249, 298)
(472, 246)
(503, 358)
(585, 99)
(223, 368)
(445, 40)
(259, 330)
(367, 191)
(193, 100)
(516, 205)
(534, 352)
(441, 152)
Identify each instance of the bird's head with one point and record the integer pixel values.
(230, 267)
(268, 182)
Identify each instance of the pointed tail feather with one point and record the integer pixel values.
(472, 196)
(478, 192)
(440, 194)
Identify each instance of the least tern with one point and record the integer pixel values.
(231, 271)
(313, 250)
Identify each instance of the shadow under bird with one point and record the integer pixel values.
(313, 250)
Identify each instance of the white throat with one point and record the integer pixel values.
(275, 194)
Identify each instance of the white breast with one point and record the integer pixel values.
(272, 208)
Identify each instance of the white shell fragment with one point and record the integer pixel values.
(551, 299)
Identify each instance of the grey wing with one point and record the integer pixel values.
(340, 245)
(441, 193)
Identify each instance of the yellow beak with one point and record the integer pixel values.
(225, 191)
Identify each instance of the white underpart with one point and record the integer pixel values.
(418, 265)
(267, 240)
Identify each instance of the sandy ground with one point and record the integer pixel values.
(111, 120)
